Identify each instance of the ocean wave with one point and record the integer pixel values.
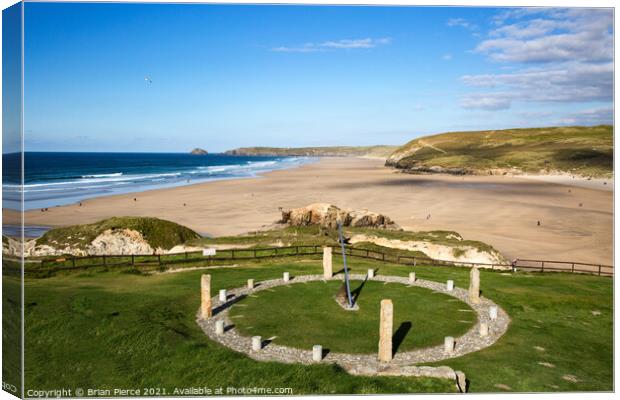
(256, 166)
(110, 179)
(261, 163)
(65, 190)
(103, 175)
(216, 168)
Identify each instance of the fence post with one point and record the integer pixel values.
(414, 261)
(542, 266)
(573, 268)
(73, 261)
(296, 250)
(104, 263)
(186, 255)
(133, 264)
(159, 259)
(232, 254)
(254, 253)
(382, 256)
(599, 270)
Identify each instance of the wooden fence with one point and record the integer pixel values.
(160, 260)
(156, 261)
(565, 266)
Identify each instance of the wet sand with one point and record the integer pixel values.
(500, 210)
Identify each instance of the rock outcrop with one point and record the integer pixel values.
(437, 251)
(121, 241)
(328, 215)
(199, 152)
(110, 242)
(112, 236)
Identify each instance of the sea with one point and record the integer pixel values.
(54, 179)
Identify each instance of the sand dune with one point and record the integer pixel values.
(576, 222)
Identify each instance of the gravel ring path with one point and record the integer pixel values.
(470, 342)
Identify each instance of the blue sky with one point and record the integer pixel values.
(229, 76)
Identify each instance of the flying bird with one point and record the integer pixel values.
(147, 79)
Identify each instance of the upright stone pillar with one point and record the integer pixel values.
(411, 277)
(317, 353)
(474, 285)
(385, 330)
(219, 327)
(493, 313)
(205, 296)
(371, 273)
(257, 343)
(327, 263)
(450, 285)
(250, 283)
(484, 329)
(223, 295)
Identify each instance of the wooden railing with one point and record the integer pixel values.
(565, 266)
(162, 260)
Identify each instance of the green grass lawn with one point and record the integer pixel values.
(11, 332)
(304, 314)
(115, 329)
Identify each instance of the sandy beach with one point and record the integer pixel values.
(576, 221)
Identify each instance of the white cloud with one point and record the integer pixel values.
(446, 57)
(570, 54)
(356, 44)
(488, 101)
(558, 35)
(568, 82)
(366, 43)
(307, 48)
(462, 23)
(529, 115)
(591, 116)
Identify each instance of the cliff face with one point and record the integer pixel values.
(109, 242)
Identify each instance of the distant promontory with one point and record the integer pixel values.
(328, 151)
(199, 152)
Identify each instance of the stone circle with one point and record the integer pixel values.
(470, 342)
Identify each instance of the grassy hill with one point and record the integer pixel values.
(586, 151)
(331, 151)
(157, 232)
